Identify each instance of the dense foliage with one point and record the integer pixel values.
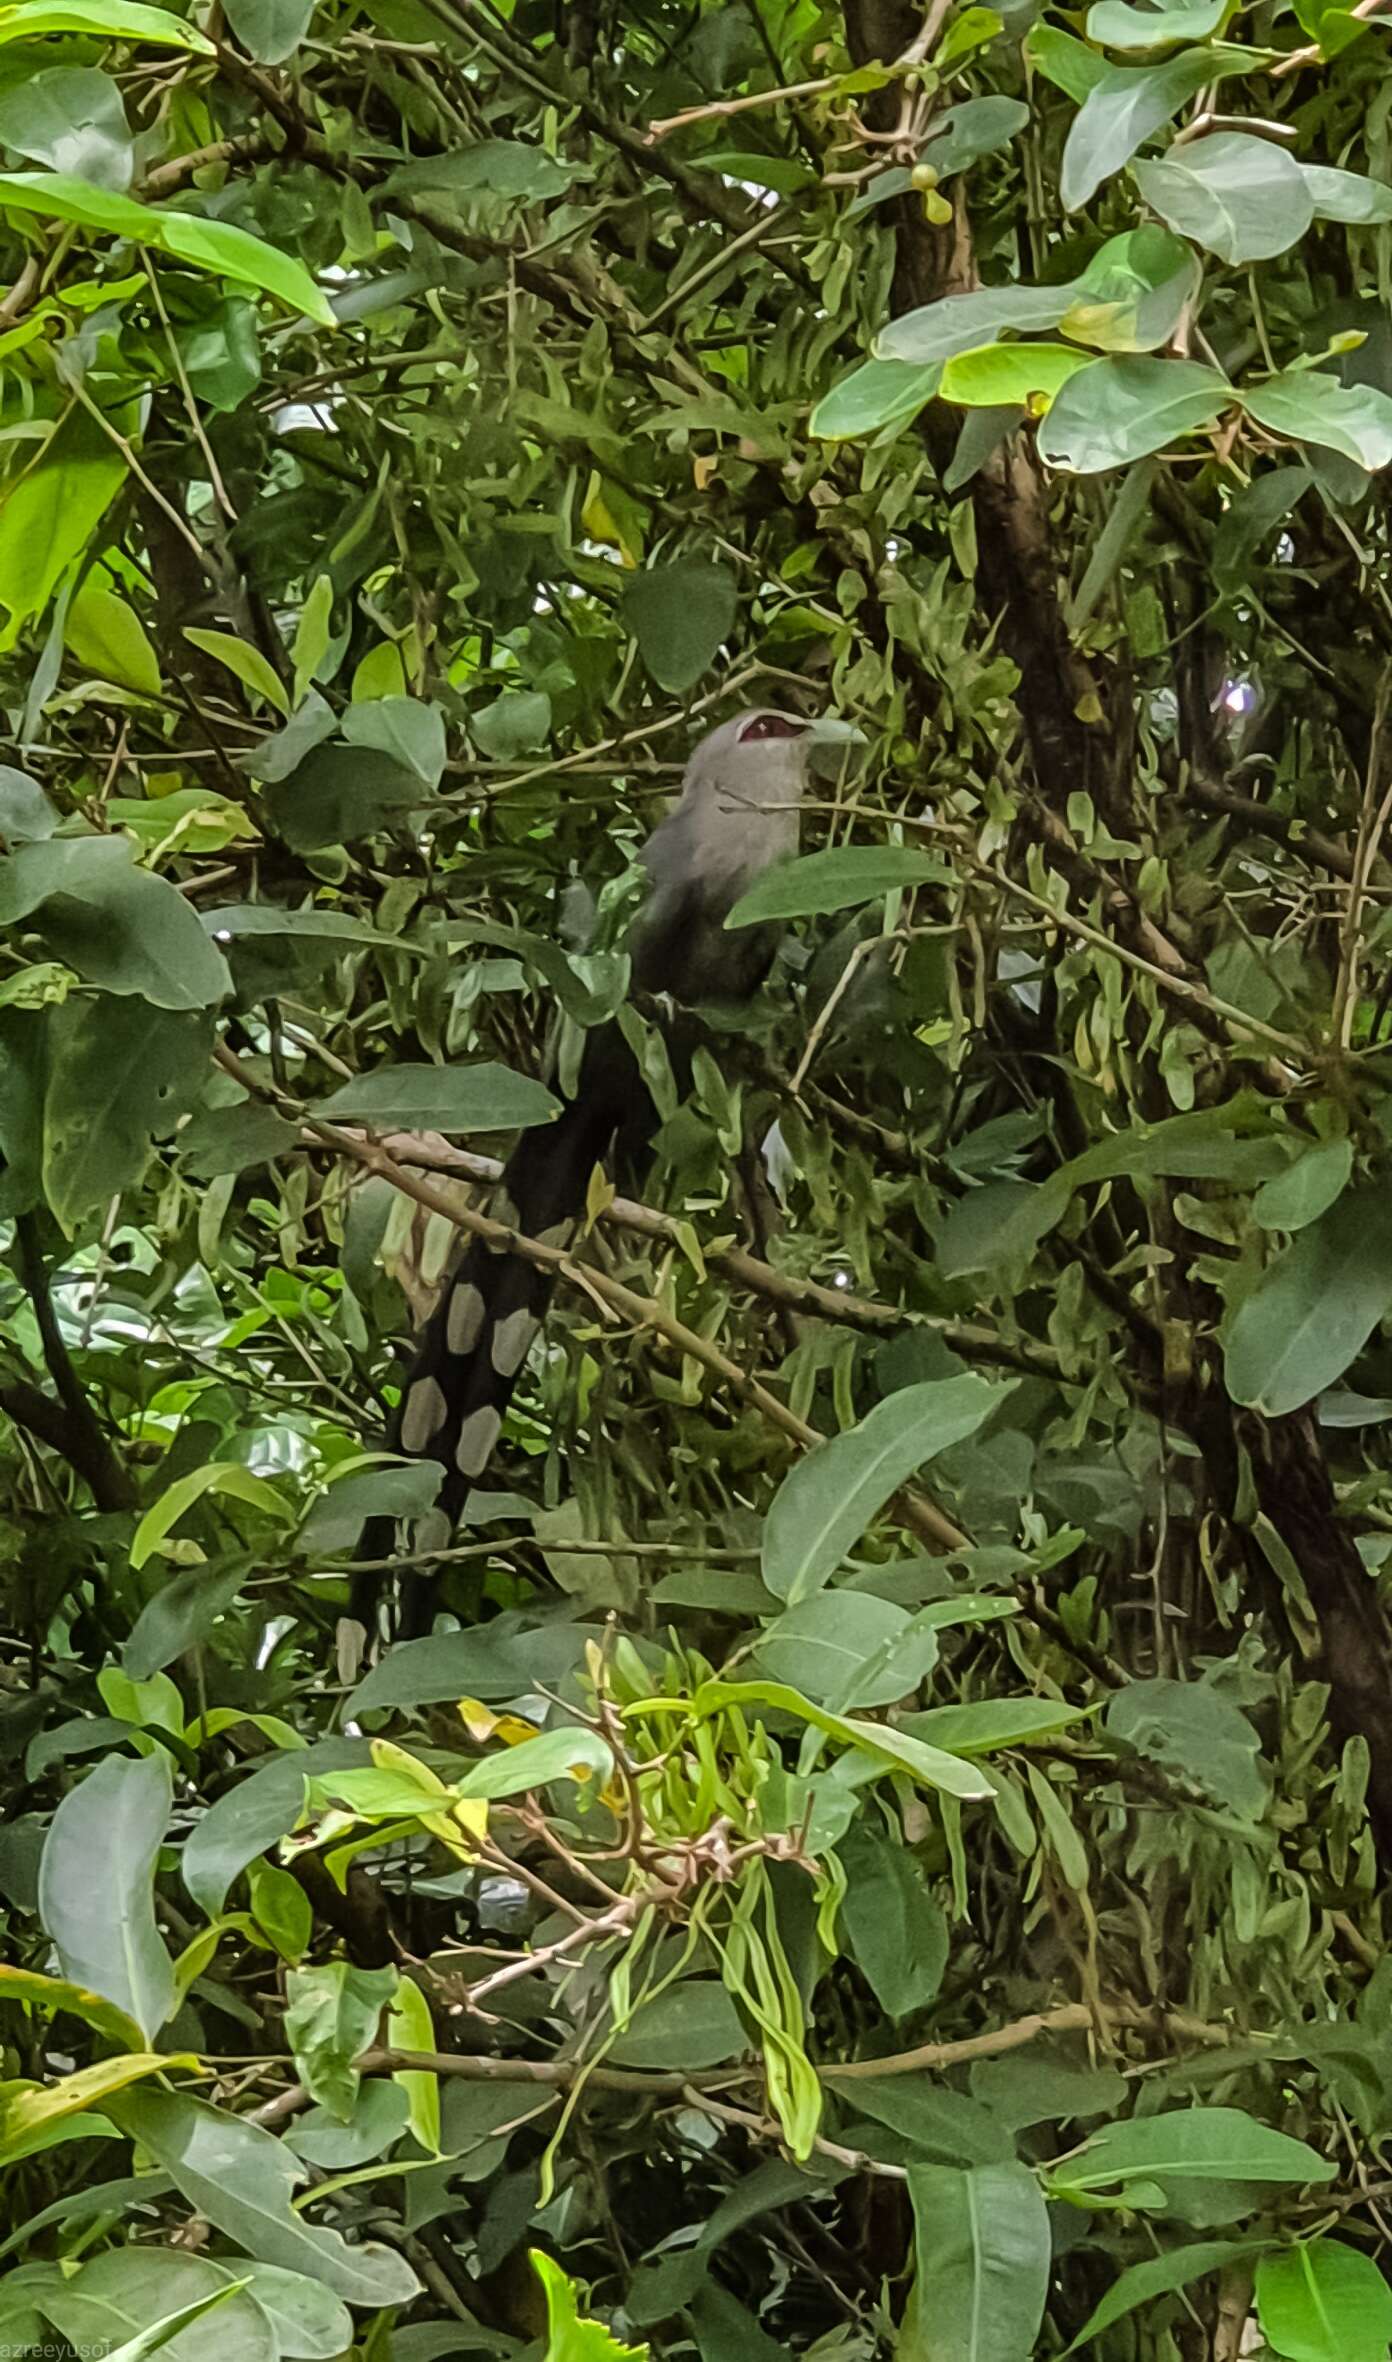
(885, 1852)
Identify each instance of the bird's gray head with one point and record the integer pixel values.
(756, 762)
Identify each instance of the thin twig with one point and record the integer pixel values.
(1371, 824)
(624, 1304)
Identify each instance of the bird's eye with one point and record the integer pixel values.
(771, 726)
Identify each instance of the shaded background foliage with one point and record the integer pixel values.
(413, 438)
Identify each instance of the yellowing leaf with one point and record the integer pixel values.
(28, 2112)
(411, 2027)
(59, 1993)
(391, 1758)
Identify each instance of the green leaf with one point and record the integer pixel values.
(958, 323)
(118, 926)
(71, 118)
(310, 2324)
(26, 815)
(411, 732)
(109, 20)
(989, 1723)
(1188, 2144)
(513, 168)
(242, 2179)
(1160, 2275)
(878, 394)
(120, 1076)
(311, 641)
(341, 792)
(982, 2258)
(970, 28)
(51, 510)
(759, 170)
(107, 636)
(680, 615)
(1347, 196)
(998, 374)
(1064, 60)
(891, 1748)
(1121, 410)
(483, 1098)
(1115, 24)
(693, 2025)
(1324, 2302)
(847, 1650)
(1306, 406)
(1308, 1189)
(1242, 198)
(975, 127)
(1251, 516)
(1314, 1308)
(105, 2307)
(180, 1615)
(96, 1885)
(270, 30)
(247, 663)
(1126, 106)
(333, 2012)
(896, 1928)
(569, 2339)
(1130, 297)
(255, 1812)
(935, 2126)
(838, 880)
(280, 1905)
(517, 723)
(828, 1498)
(232, 1139)
(219, 1476)
(216, 246)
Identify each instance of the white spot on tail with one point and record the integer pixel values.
(465, 1318)
(511, 1339)
(425, 1408)
(477, 1437)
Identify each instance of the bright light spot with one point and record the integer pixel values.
(1285, 549)
(840, 1279)
(293, 416)
(275, 1630)
(222, 934)
(1239, 697)
(765, 197)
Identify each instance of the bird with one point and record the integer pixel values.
(738, 813)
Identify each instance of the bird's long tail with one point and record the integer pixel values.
(471, 1351)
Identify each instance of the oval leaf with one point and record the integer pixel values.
(484, 1098)
(1314, 1308)
(1121, 410)
(838, 880)
(97, 1885)
(825, 1503)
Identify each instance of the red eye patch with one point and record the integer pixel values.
(771, 726)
